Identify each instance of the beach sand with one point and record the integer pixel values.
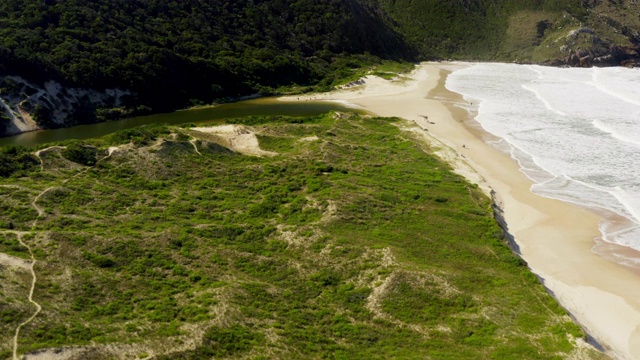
(555, 238)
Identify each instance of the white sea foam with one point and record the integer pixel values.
(574, 132)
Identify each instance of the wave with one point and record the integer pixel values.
(574, 132)
(623, 133)
(618, 82)
(546, 103)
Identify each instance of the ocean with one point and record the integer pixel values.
(574, 132)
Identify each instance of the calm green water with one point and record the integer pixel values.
(212, 115)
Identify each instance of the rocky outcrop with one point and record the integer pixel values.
(584, 47)
(25, 106)
(615, 39)
(603, 33)
(613, 56)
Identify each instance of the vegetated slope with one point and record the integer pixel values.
(560, 32)
(600, 33)
(352, 242)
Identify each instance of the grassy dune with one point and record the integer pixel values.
(352, 242)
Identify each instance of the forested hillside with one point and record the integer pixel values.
(555, 32)
(465, 29)
(171, 51)
(119, 57)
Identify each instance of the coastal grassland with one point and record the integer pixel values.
(352, 242)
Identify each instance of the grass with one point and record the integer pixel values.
(357, 244)
(9, 244)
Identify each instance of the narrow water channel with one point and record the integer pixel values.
(213, 115)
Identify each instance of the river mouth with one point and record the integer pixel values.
(217, 114)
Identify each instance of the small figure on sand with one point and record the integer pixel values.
(464, 146)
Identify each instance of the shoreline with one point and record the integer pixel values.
(555, 238)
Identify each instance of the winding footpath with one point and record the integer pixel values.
(195, 147)
(30, 266)
(38, 152)
(34, 279)
(20, 234)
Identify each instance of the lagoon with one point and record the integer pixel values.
(210, 114)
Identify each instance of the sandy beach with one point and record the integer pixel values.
(555, 238)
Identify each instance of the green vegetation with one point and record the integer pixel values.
(468, 30)
(352, 242)
(223, 342)
(16, 160)
(9, 244)
(81, 154)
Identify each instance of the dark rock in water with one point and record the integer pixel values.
(631, 63)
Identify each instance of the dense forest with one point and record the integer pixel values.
(170, 54)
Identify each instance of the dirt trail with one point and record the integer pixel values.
(5, 258)
(195, 147)
(31, 265)
(37, 154)
(38, 208)
(15, 187)
(33, 286)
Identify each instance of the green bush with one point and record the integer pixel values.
(81, 154)
(16, 160)
(236, 339)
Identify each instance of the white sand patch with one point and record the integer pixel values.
(237, 138)
(13, 261)
(368, 86)
(113, 149)
(309, 138)
(25, 122)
